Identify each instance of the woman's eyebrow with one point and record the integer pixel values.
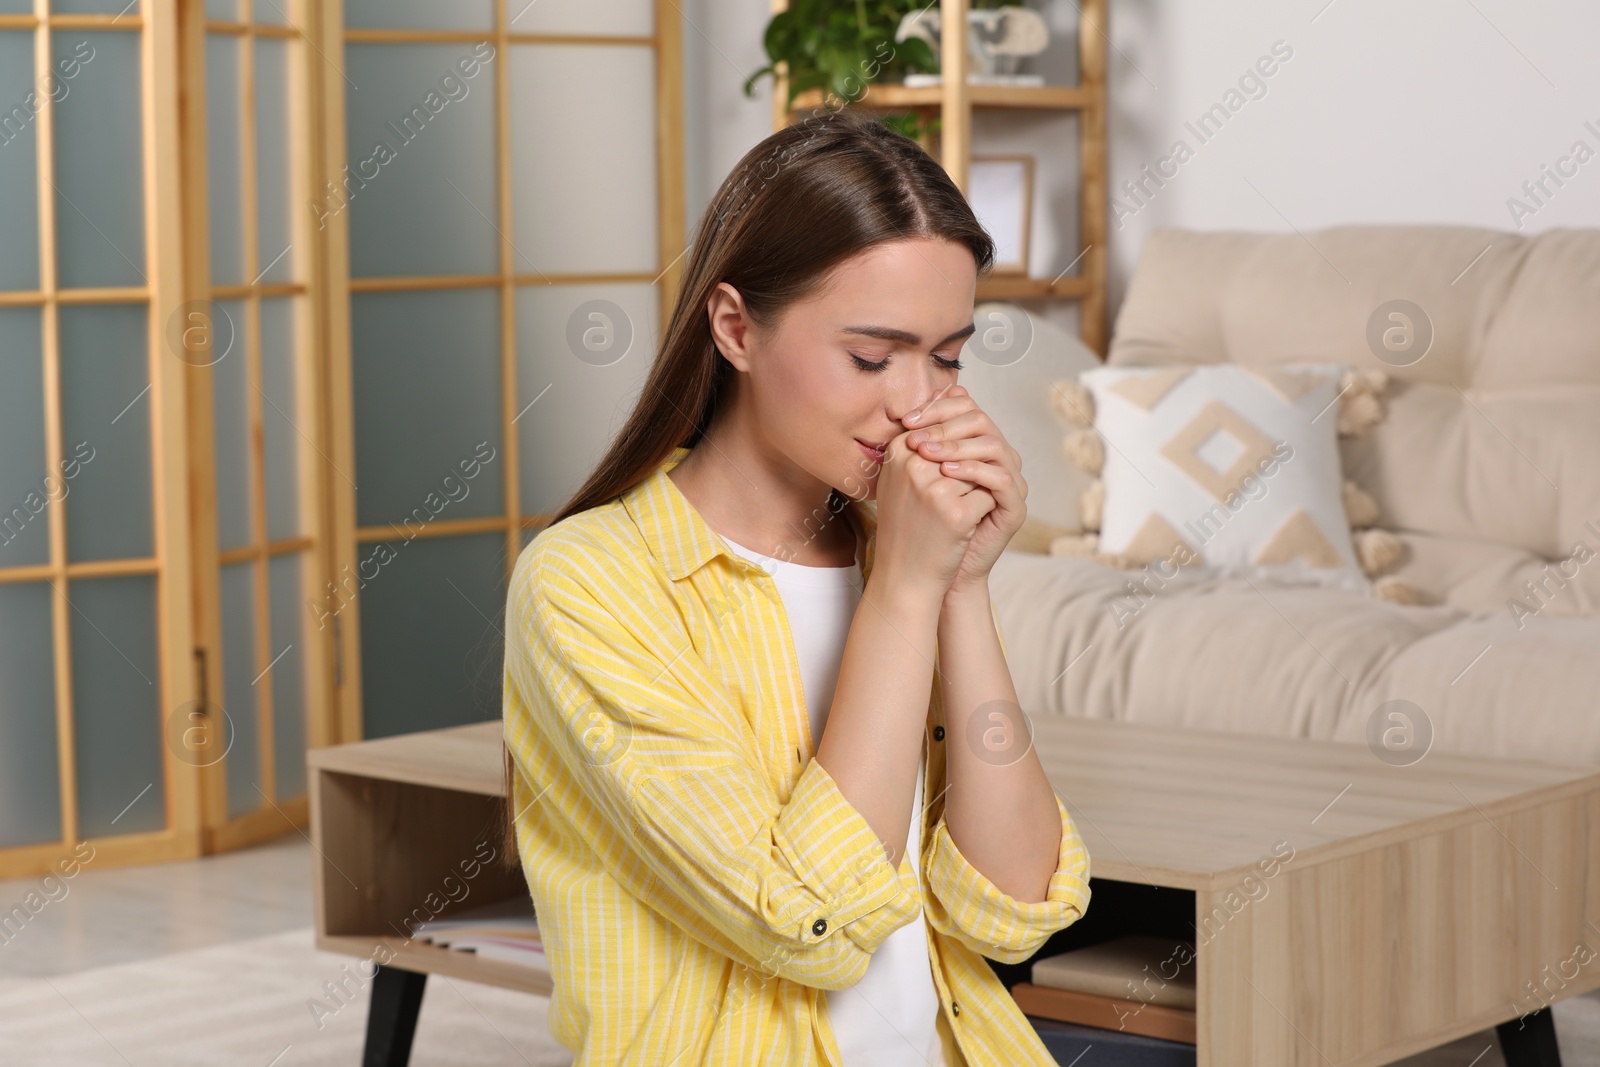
(890, 333)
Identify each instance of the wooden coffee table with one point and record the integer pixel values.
(1416, 904)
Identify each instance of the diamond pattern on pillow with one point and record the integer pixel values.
(1185, 447)
(1299, 538)
(1148, 390)
(1157, 539)
(1225, 466)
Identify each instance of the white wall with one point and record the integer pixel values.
(721, 48)
(1422, 111)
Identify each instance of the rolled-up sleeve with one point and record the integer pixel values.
(669, 783)
(965, 904)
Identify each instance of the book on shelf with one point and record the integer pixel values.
(505, 930)
(1150, 970)
(1132, 986)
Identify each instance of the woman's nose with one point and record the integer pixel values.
(926, 395)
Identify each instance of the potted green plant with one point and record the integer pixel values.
(841, 47)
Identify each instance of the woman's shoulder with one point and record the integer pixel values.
(592, 554)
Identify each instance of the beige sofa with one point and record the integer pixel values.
(1487, 465)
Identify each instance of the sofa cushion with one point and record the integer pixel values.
(1478, 574)
(1491, 435)
(1545, 330)
(1218, 654)
(1520, 467)
(1235, 466)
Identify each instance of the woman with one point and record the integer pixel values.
(754, 828)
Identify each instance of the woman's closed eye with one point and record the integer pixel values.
(883, 364)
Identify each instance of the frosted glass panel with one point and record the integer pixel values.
(239, 693)
(27, 485)
(118, 721)
(279, 417)
(30, 779)
(94, 7)
(98, 160)
(288, 674)
(427, 395)
(19, 163)
(430, 647)
(272, 161)
(275, 12)
(421, 155)
(583, 158)
(422, 15)
(230, 391)
(578, 403)
(224, 159)
(105, 421)
(609, 17)
(226, 10)
(16, 7)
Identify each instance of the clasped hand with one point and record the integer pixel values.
(963, 440)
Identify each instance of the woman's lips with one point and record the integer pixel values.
(874, 453)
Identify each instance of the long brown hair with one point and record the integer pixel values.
(799, 203)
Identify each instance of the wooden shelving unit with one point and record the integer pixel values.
(954, 102)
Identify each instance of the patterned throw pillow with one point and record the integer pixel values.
(1230, 468)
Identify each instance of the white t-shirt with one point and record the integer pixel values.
(889, 1018)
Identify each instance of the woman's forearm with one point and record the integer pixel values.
(872, 743)
(1000, 808)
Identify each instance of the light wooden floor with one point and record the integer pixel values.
(134, 913)
(211, 961)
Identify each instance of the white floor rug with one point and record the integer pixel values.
(247, 1004)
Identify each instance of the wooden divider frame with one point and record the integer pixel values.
(349, 538)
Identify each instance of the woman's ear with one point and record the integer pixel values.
(730, 325)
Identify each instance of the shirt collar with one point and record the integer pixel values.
(682, 539)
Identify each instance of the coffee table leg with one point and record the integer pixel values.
(1530, 1040)
(392, 1016)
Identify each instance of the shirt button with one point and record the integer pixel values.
(955, 1008)
(938, 733)
(819, 927)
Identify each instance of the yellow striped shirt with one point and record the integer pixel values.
(700, 880)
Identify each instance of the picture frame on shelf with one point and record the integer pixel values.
(1000, 190)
